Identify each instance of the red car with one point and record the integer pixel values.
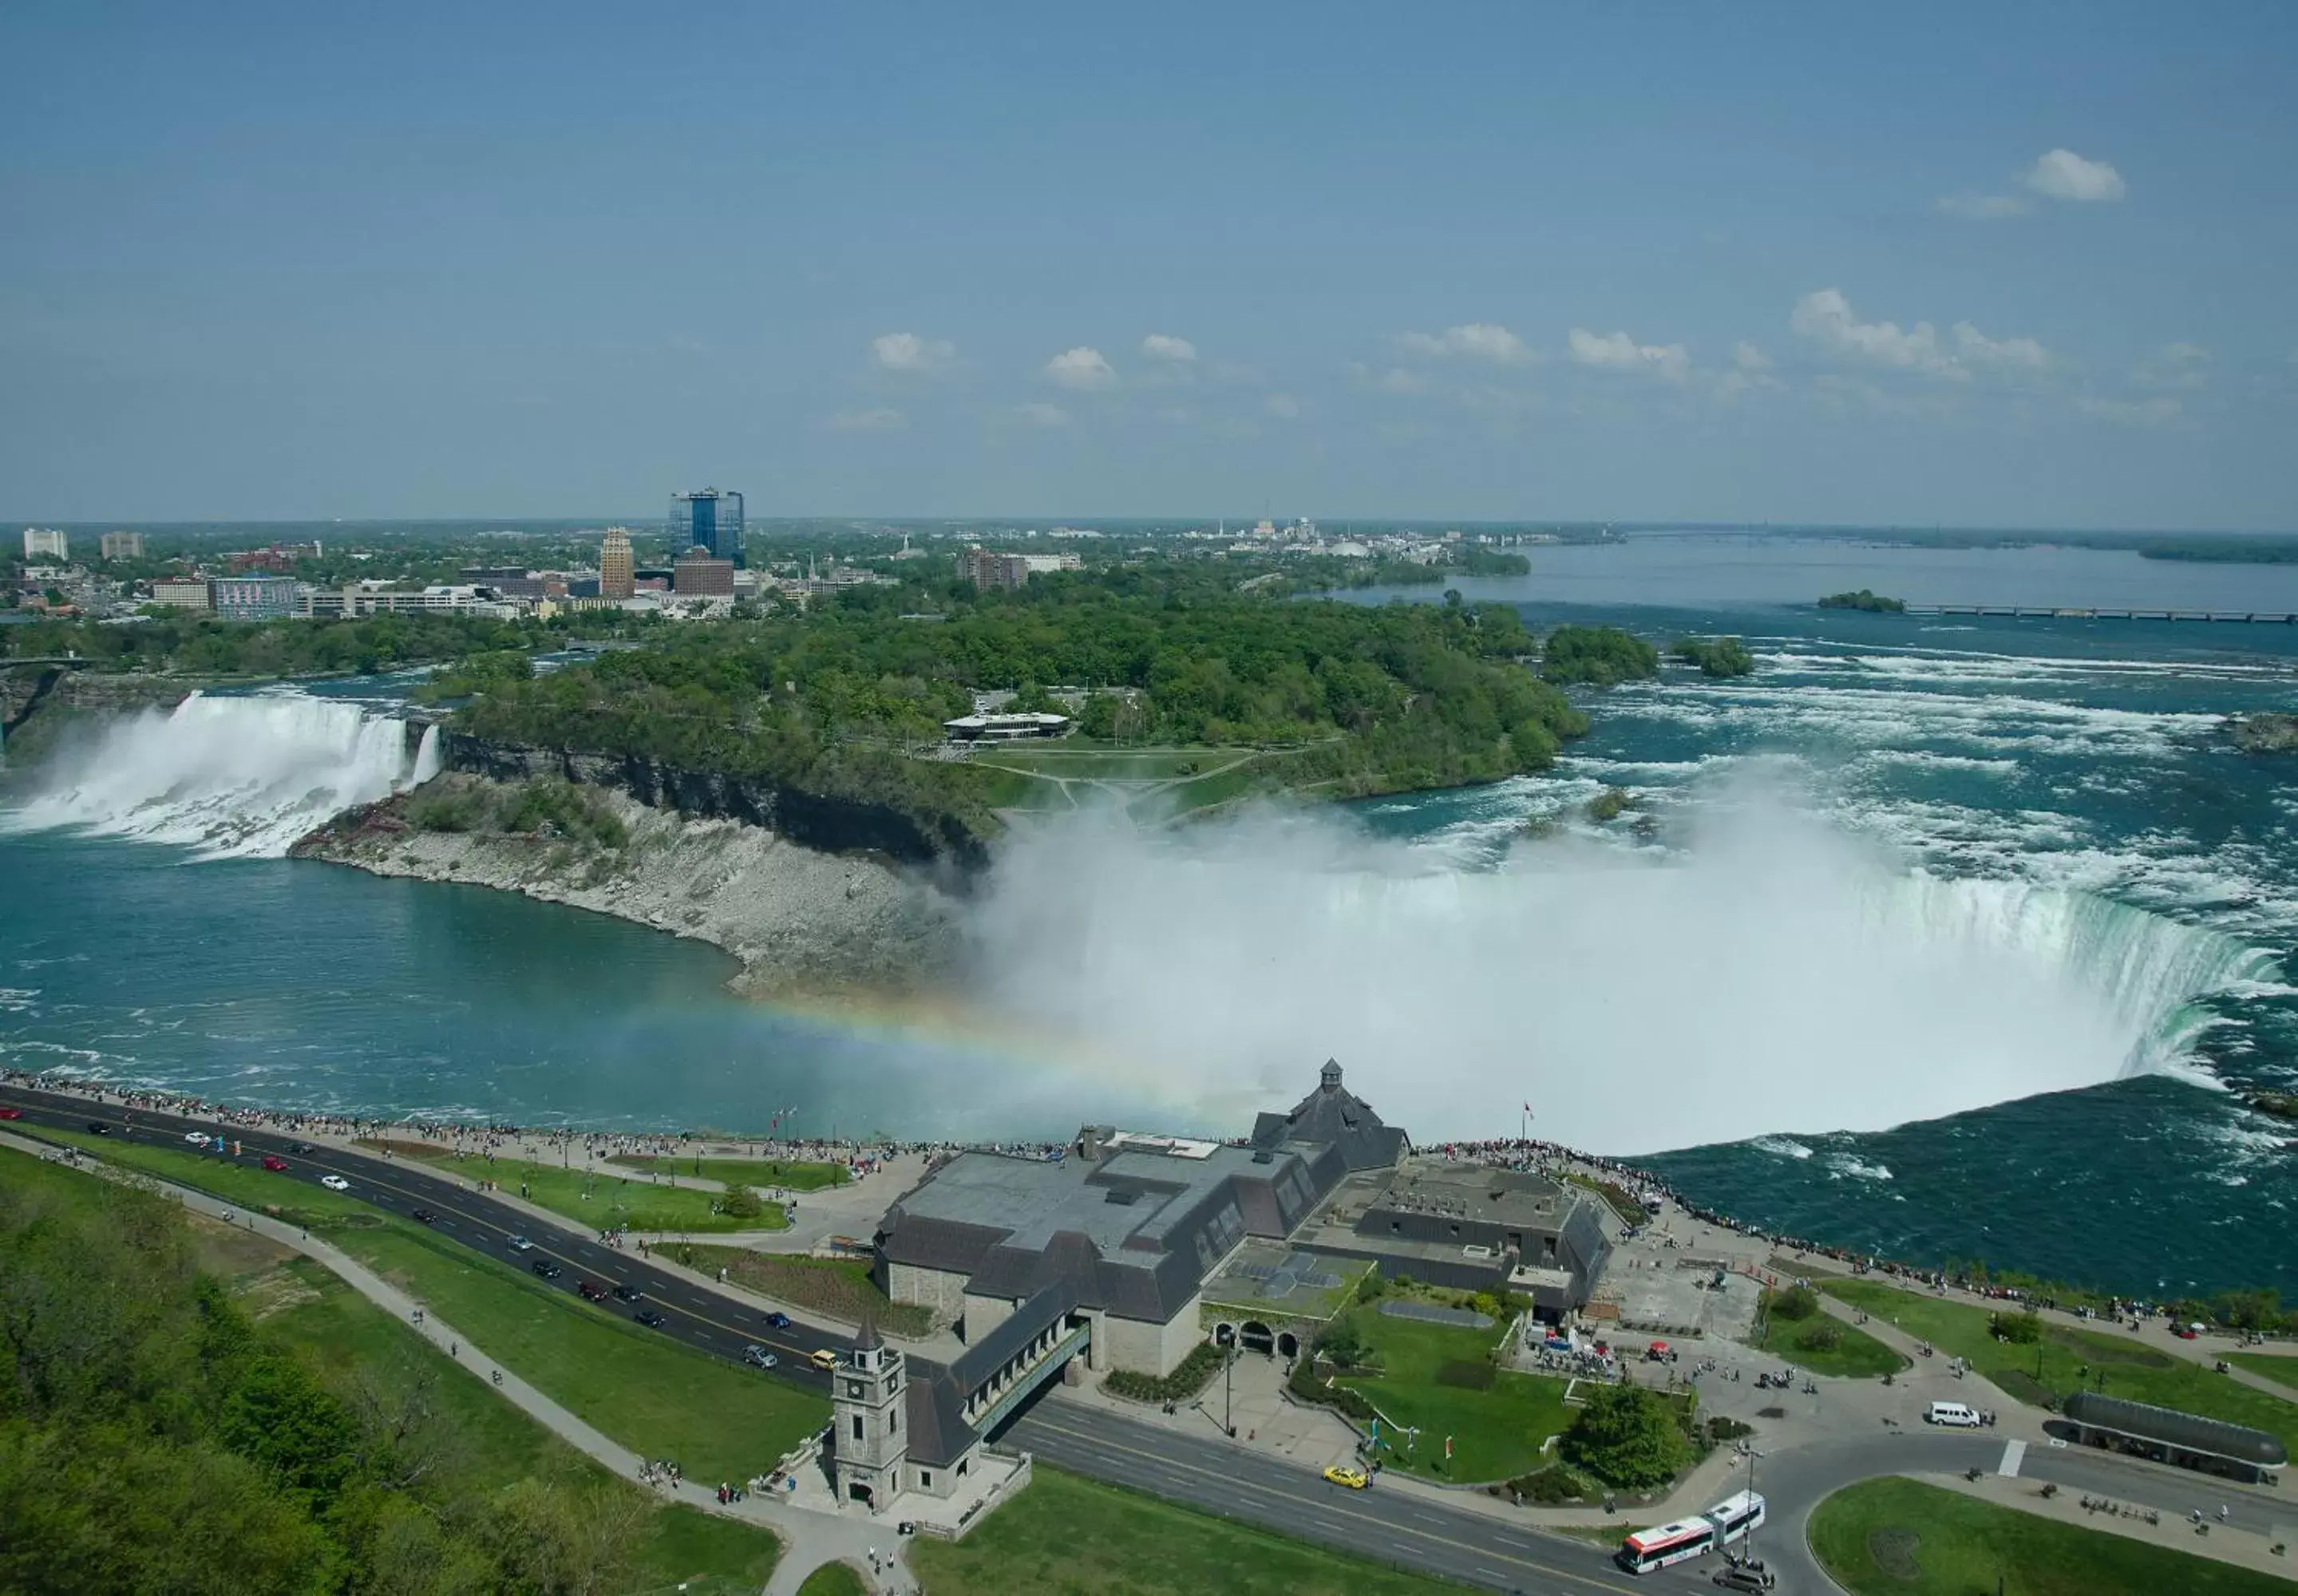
(273, 1161)
(12, 1114)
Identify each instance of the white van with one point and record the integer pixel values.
(1953, 1413)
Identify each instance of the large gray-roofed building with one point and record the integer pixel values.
(1130, 1225)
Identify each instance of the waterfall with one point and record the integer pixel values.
(1779, 977)
(232, 777)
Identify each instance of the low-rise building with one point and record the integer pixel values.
(183, 593)
(1006, 728)
(255, 597)
(697, 573)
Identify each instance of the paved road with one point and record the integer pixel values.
(1215, 1476)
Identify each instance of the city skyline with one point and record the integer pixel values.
(1955, 267)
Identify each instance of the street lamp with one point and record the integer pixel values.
(1752, 1454)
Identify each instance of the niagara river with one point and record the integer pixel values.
(1941, 938)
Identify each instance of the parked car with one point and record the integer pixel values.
(649, 1318)
(1355, 1479)
(545, 1269)
(1746, 1577)
(779, 1319)
(758, 1357)
(334, 1183)
(590, 1291)
(273, 1163)
(629, 1293)
(520, 1244)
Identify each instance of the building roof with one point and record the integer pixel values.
(935, 1411)
(1024, 1325)
(1132, 1233)
(1334, 1114)
(1472, 1193)
(2168, 1426)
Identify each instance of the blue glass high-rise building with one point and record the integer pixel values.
(710, 519)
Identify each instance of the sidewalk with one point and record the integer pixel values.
(808, 1539)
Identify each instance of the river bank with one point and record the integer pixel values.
(800, 921)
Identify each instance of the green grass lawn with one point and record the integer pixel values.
(2279, 1368)
(839, 1286)
(793, 1174)
(1065, 1536)
(1899, 1537)
(834, 1579)
(1856, 1354)
(1497, 1431)
(485, 1442)
(2130, 1369)
(716, 1419)
(611, 1198)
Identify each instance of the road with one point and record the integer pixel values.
(1390, 1524)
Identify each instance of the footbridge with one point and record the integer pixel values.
(2023, 612)
(1016, 1359)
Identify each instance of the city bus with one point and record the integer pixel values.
(1727, 1521)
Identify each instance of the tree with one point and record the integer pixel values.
(1796, 1302)
(741, 1202)
(1628, 1438)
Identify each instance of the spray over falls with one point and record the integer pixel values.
(1779, 978)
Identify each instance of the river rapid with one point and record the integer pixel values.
(1942, 938)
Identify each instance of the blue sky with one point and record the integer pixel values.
(1976, 264)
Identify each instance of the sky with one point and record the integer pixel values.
(1966, 264)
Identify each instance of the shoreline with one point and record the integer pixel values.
(799, 922)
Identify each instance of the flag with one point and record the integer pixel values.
(1527, 1109)
(1448, 1449)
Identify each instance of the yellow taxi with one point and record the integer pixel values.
(825, 1360)
(1355, 1479)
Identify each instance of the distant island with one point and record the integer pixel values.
(1716, 656)
(1864, 600)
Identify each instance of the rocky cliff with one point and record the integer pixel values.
(799, 918)
(834, 825)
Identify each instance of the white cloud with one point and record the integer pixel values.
(882, 419)
(2182, 365)
(1164, 345)
(1083, 369)
(1984, 208)
(1474, 341)
(2063, 175)
(2132, 413)
(1746, 356)
(1826, 319)
(1396, 379)
(906, 351)
(1617, 351)
(1281, 404)
(1974, 347)
(1036, 413)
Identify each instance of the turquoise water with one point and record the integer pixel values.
(2066, 782)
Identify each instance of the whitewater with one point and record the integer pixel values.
(227, 777)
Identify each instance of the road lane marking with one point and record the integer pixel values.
(2013, 1453)
(1357, 1519)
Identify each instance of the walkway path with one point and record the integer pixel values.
(808, 1539)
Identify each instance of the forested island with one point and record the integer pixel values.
(847, 702)
(1715, 656)
(1864, 600)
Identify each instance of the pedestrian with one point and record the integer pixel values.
(454, 1349)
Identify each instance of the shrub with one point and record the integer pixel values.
(1186, 1380)
(1369, 1289)
(1821, 1337)
(2023, 1329)
(1721, 1429)
(741, 1202)
(1552, 1486)
(1796, 1302)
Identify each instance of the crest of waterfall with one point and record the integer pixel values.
(228, 777)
